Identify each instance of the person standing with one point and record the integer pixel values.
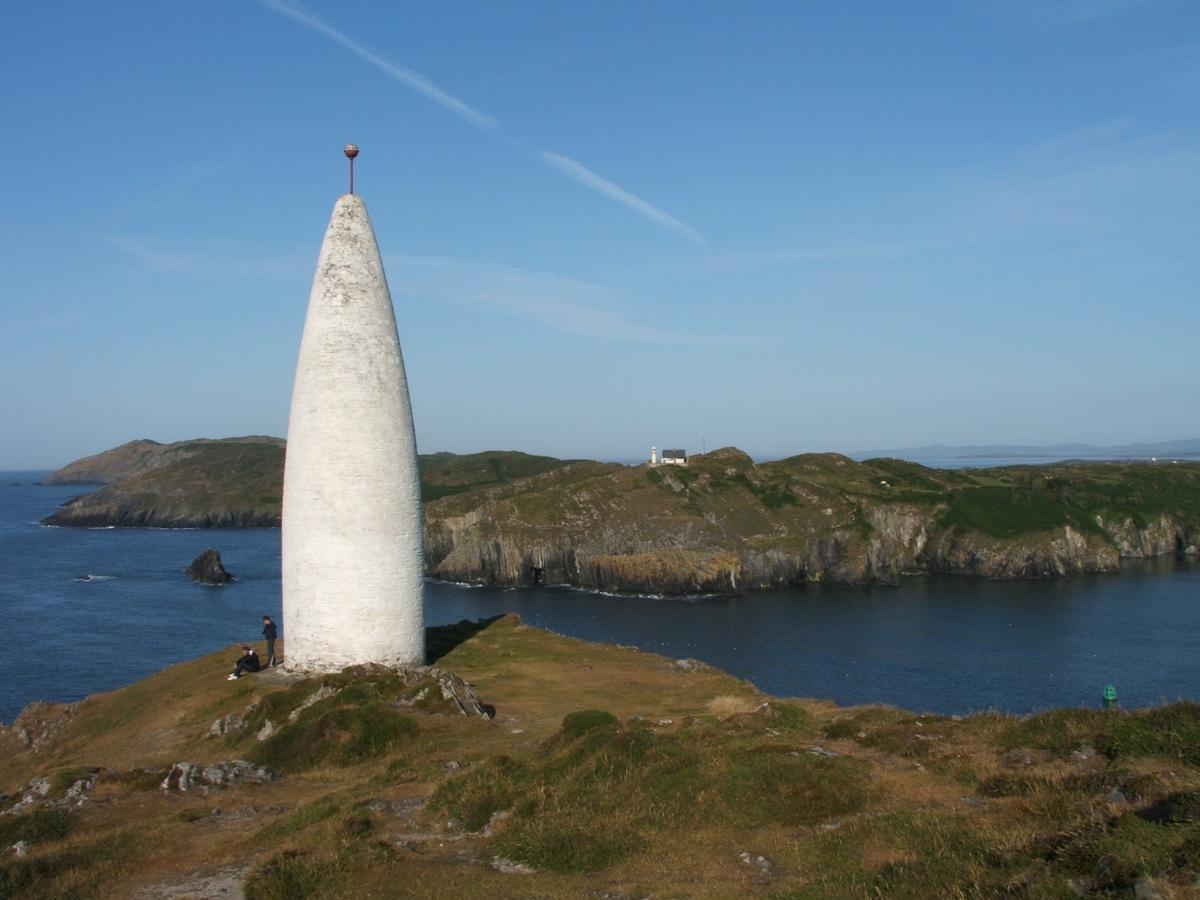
(270, 632)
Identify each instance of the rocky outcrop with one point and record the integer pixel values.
(207, 569)
(428, 687)
(32, 795)
(185, 776)
(35, 726)
(40, 792)
(231, 723)
(1159, 537)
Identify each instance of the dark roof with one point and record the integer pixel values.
(679, 454)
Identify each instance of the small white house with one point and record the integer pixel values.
(674, 457)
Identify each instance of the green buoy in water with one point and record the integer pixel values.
(1109, 696)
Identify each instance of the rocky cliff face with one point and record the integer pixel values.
(726, 525)
(842, 557)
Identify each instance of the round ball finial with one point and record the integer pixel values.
(351, 150)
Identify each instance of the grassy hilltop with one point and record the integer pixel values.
(722, 523)
(236, 482)
(605, 772)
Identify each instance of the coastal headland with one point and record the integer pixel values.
(527, 764)
(721, 524)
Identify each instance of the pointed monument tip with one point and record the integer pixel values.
(351, 151)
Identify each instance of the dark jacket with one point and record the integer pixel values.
(270, 632)
(249, 662)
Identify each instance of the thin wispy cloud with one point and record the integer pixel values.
(860, 251)
(206, 264)
(1068, 12)
(585, 176)
(552, 301)
(1175, 68)
(1092, 191)
(406, 77)
(564, 165)
(183, 184)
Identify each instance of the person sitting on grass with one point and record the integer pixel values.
(247, 663)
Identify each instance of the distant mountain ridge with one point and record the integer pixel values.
(1182, 449)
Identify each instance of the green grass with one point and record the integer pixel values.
(294, 874)
(447, 474)
(72, 872)
(62, 780)
(908, 856)
(1003, 512)
(1168, 732)
(39, 826)
(584, 721)
(781, 785)
(339, 735)
(307, 815)
(772, 496)
(598, 791)
(290, 875)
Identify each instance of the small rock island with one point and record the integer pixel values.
(207, 569)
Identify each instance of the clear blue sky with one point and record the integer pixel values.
(786, 226)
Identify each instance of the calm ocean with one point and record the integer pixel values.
(934, 644)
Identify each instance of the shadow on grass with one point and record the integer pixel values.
(442, 639)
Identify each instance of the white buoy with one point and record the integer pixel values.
(353, 588)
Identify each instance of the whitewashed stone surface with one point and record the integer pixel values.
(353, 589)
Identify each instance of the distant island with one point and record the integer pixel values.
(720, 524)
(1185, 449)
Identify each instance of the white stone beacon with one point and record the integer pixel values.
(353, 566)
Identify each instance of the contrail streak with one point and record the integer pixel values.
(564, 165)
(418, 83)
(585, 176)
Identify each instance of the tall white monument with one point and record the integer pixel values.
(353, 567)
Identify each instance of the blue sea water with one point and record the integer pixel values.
(948, 645)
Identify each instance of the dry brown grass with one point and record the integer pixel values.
(923, 824)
